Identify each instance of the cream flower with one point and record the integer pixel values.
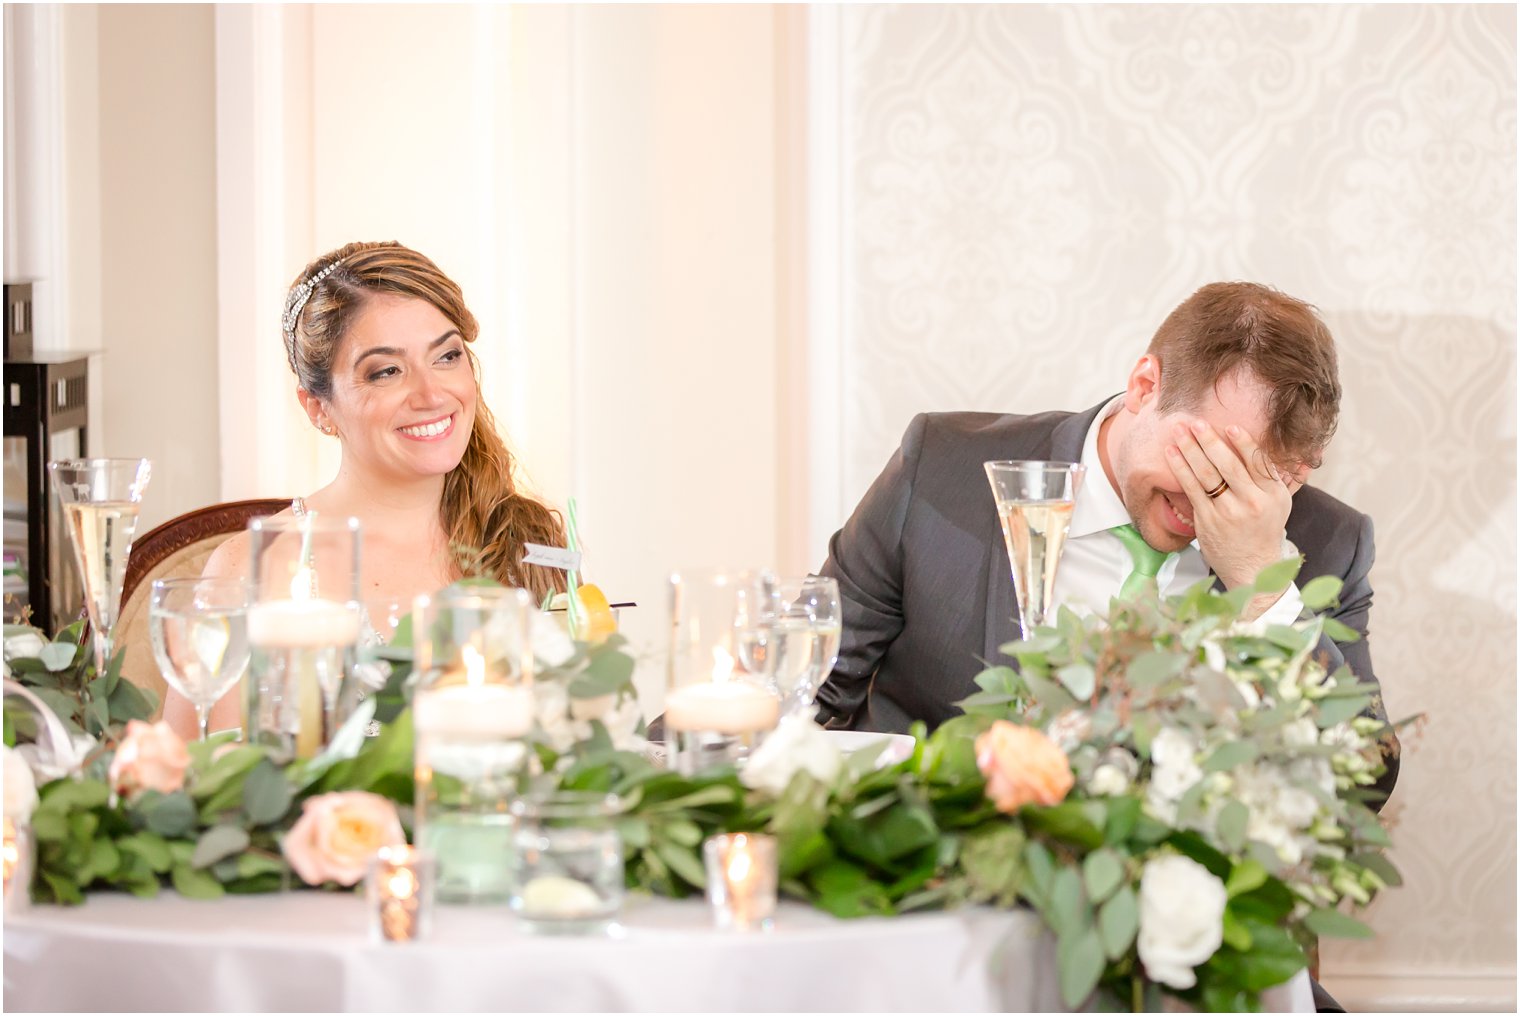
(1181, 919)
(337, 835)
(20, 788)
(796, 745)
(150, 757)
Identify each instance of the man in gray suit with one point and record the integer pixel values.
(1204, 456)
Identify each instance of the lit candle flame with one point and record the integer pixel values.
(723, 664)
(304, 585)
(402, 883)
(474, 666)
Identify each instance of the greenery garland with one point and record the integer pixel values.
(955, 823)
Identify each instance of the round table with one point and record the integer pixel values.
(310, 951)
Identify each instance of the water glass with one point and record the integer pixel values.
(199, 631)
(809, 627)
(567, 860)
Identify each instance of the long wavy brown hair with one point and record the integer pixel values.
(481, 508)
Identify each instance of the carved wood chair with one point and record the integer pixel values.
(179, 547)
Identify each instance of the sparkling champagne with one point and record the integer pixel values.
(1035, 533)
(102, 534)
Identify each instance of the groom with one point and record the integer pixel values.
(1198, 468)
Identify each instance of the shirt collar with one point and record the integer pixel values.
(1098, 505)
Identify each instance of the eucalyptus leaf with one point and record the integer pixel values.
(1231, 824)
(1080, 957)
(1245, 877)
(169, 815)
(216, 843)
(1151, 668)
(1078, 678)
(58, 655)
(1321, 592)
(1276, 577)
(1340, 632)
(1329, 923)
(195, 884)
(266, 793)
(1118, 922)
(1102, 873)
(1229, 755)
(1339, 710)
(1069, 910)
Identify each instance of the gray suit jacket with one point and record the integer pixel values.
(924, 578)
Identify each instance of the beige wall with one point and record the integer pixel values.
(158, 251)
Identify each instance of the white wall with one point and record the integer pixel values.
(601, 183)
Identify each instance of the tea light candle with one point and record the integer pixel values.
(741, 880)
(302, 624)
(11, 854)
(400, 890)
(465, 704)
(723, 707)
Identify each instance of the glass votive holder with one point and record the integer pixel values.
(16, 854)
(400, 891)
(567, 863)
(472, 714)
(720, 698)
(741, 880)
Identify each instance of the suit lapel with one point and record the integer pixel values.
(1064, 444)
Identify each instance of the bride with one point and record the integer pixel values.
(378, 338)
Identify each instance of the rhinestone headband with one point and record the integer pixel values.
(296, 302)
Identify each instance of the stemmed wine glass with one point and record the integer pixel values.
(199, 630)
(809, 623)
(100, 499)
(1034, 503)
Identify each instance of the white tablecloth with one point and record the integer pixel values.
(310, 951)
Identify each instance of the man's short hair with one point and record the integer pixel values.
(1280, 341)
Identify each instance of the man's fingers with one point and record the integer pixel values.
(1197, 458)
(1262, 469)
(1221, 456)
(1186, 478)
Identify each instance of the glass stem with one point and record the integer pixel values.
(203, 720)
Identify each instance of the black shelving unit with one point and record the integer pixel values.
(47, 397)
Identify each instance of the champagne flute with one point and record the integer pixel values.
(1034, 503)
(199, 630)
(100, 499)
(809, 628)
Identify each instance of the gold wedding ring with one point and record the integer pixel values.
(1223, 486)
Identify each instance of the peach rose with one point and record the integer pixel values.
(337, 835)
(150, 757)
(1022, 766)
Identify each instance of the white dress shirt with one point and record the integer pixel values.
(1095, 563)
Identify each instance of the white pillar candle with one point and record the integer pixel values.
(294, 624)
(474, 710)
(722, 707)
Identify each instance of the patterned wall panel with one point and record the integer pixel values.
(1028, 191)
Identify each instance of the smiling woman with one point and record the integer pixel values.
(378, 338)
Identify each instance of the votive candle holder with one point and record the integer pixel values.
(741, 880)
(400, 891)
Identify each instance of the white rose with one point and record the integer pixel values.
(20, 788)
(1172, 747)
(1213, 655)
(1181, 919)
(552, 708)
(552, 645)
(1108, 781)
(796, 745)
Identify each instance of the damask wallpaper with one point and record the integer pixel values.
(1027, 191)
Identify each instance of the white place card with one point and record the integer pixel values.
(552, 557)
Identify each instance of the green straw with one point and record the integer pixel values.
(572, 601)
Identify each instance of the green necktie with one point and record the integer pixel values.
(1148, 561)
